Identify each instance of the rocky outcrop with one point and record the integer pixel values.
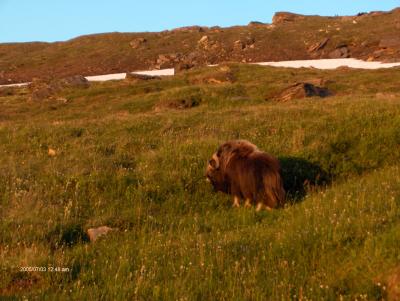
(391, 42)
(190, 29)
(319, 45)
(164, 61)
(386, 50)
(244, 44)
(203, 41)
(206, 43)
(183, 66)
(285, 17)
(300, 90)
(76, 81)
(212, 45)
(340, 52)
(42, 89)
(52, 152)
(136, 43)
(216, 29)
(95, 233)
(192, 59)
(134, 77)
(257, 24)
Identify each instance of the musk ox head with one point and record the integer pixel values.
(216, 167)
(239, 168)
(215, 176)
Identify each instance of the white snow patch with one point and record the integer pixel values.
(318, 64)
(15, 85)
(330, 64)
(119, 76)
(162, 72)
(105, 77)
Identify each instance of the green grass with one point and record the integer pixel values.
(139, 170)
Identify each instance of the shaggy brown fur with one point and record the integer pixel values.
(239, 168)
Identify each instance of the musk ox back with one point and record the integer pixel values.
(239, 168)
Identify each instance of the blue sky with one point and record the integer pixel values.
(58, 20)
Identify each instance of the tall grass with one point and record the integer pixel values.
(121, 163)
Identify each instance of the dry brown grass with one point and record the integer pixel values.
(113, 53)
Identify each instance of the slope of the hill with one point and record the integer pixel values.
(132, 155)
(373, 36)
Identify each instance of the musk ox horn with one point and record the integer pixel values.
(214, 162)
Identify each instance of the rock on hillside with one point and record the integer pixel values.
(134, 77)
(301, 90)
(290, 37)
(284, 17)
(48, 89)
(95, 233)
(190, 29)
(136, 43)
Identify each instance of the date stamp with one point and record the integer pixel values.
(51, 269)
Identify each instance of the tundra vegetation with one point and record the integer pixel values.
(132, 156)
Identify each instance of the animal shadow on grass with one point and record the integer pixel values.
(66, 235)
(300, 176)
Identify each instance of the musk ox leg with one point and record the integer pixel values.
(261, 206)
(247, 203)
(236, 201)
(274, 191)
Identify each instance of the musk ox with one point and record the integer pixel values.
(239, 168)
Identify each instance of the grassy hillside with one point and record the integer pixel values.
(132, 156)
(371, 36)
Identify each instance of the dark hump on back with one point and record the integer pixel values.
(240, 148)
(266, 160)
